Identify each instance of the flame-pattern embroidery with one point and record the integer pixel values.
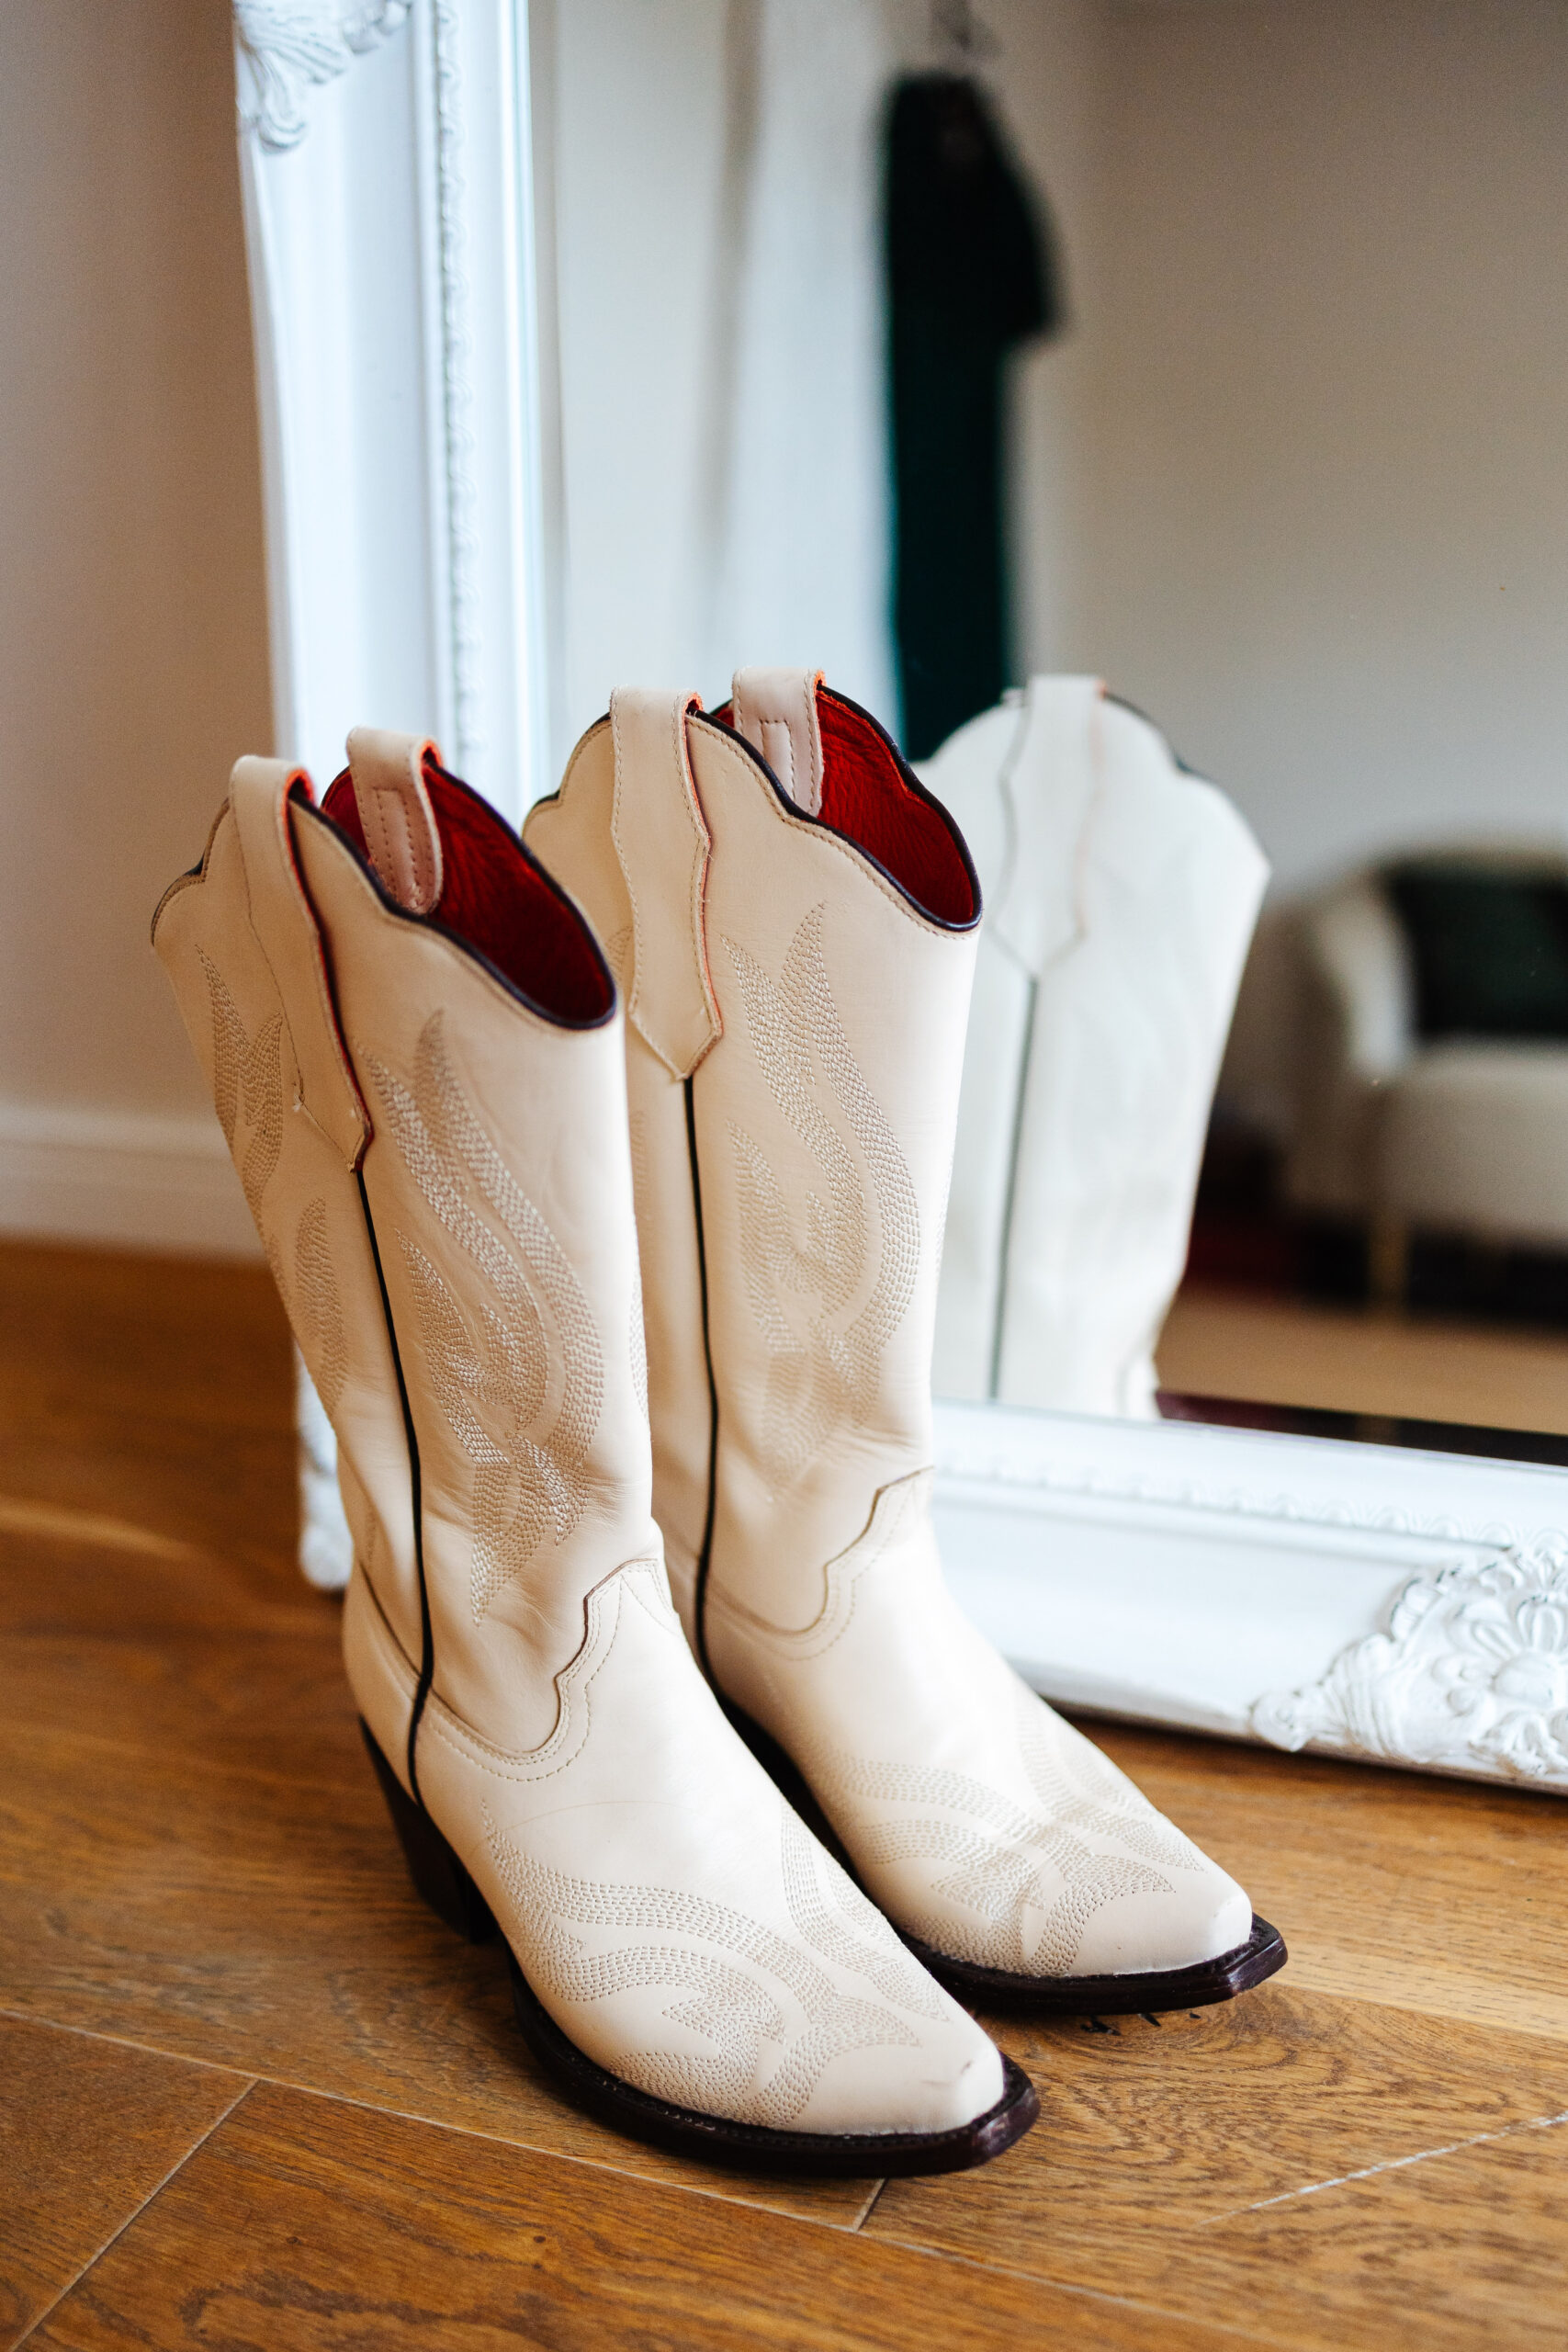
(247, 1088)
(520, 1381)
(247, 1079)
(852, 1256)
(999, 1856)
(693, 1945)
(1002, 1859)
(317, 1311)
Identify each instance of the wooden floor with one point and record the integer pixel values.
(252, 2095)
(1352, 1359)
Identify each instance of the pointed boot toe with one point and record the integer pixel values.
(958, 2079)
(1204, 1916)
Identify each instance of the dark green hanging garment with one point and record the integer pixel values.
(970, 272)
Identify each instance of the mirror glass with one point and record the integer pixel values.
(1216, 349)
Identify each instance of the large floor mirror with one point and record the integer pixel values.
(1192, 502)
(1282, 443)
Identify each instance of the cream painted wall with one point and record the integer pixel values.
(717, 341)
(637, 95)
(133, 621)
(1330, 465)
(1297, 482)
(1048, 79)
(717, 302)
(132, 659)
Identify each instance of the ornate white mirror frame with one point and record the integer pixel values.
(1367, 1600)
(1406, 1608)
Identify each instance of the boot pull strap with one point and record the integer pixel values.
(776, 712)
(394, 808)
(284, 925)
(661, 841)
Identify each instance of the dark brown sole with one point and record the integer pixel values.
(1198, 1988)
(1262, 1955)
(441, 1879)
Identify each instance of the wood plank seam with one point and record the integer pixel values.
(1391, 2163)
(412, 2115)
(245, 2075)
(157, 2189)
(564, 2155)
(1090, 2294)
(253, 2078)
(869, 2208)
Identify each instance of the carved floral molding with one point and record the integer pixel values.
(1472, 1675)
(1283, 1552)
(292, 45)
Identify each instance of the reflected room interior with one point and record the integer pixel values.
(1348, 606)
(1236, 377)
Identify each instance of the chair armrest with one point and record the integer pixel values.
(1356, 946)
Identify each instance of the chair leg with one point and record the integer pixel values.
(1388, 1262)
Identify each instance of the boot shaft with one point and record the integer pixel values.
(261, 1021)
(791, 1159)
(418, 1064)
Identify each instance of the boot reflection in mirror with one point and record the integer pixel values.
(793, 918)
(414, 1048)
(1121, 894)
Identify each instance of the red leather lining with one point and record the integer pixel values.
(496, 898)
(870, 799)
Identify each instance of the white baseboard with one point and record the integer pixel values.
(131, 1179)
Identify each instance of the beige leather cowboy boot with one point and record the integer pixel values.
(793, 918)
(415, 1050)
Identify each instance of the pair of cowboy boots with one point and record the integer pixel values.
(445, 1082)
